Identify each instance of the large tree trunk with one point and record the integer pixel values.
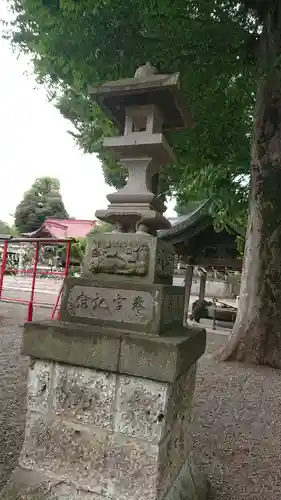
(256, 336)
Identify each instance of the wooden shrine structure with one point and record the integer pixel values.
(198, 243)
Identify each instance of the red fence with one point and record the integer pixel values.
(33, 272)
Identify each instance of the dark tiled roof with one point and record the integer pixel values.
(185, 222)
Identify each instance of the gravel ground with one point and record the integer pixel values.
(236, 424)
(13, 371)
(237, 427)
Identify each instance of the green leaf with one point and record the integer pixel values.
(209, 41)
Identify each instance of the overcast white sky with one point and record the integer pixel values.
(34, 142)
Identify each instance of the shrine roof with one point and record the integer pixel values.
(198, 217)
(63, 228)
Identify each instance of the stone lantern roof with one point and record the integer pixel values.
(146, 88)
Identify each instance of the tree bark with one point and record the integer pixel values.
(256, 335)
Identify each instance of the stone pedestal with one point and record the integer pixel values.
(110, 386)
(108, 415)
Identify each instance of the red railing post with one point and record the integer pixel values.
(56, 305)
(3, 265)
(31, 299)
(67, 259)
(37, 241)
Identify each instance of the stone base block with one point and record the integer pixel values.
(108, 415)
(114, 435)
(163, 357)
(151, 309)
(28, 485)
(190, 484)
(98, 435)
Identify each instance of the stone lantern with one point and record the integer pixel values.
(110, 385)
(143, 109)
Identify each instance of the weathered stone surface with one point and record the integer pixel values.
(200, 481)
(110, 435)
(172, 308)
(31, 418)
(108, 464)
(183, 488)
(146, 357)
(64, 491)
(28, 485)
(162, 358)
(148, 409)
(173, 452)
(179, 398)
(140, 407)
(68, 452)
(108, 304)
(84, 395)
(74, 344)
(38, 387)
(151, 424)
(124, 464)
(133, 469)
(186, 483)
(136, 307)
(161, 90)
(118, 256)
(129, 256)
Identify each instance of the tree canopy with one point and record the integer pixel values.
(5, 229)
(211, 42)
(42, 200)
(101, 227)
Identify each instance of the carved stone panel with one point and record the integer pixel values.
(141, 308)
(114, 304)
(164, 263)
(119, 257)
(138, 258)
(173, 307)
